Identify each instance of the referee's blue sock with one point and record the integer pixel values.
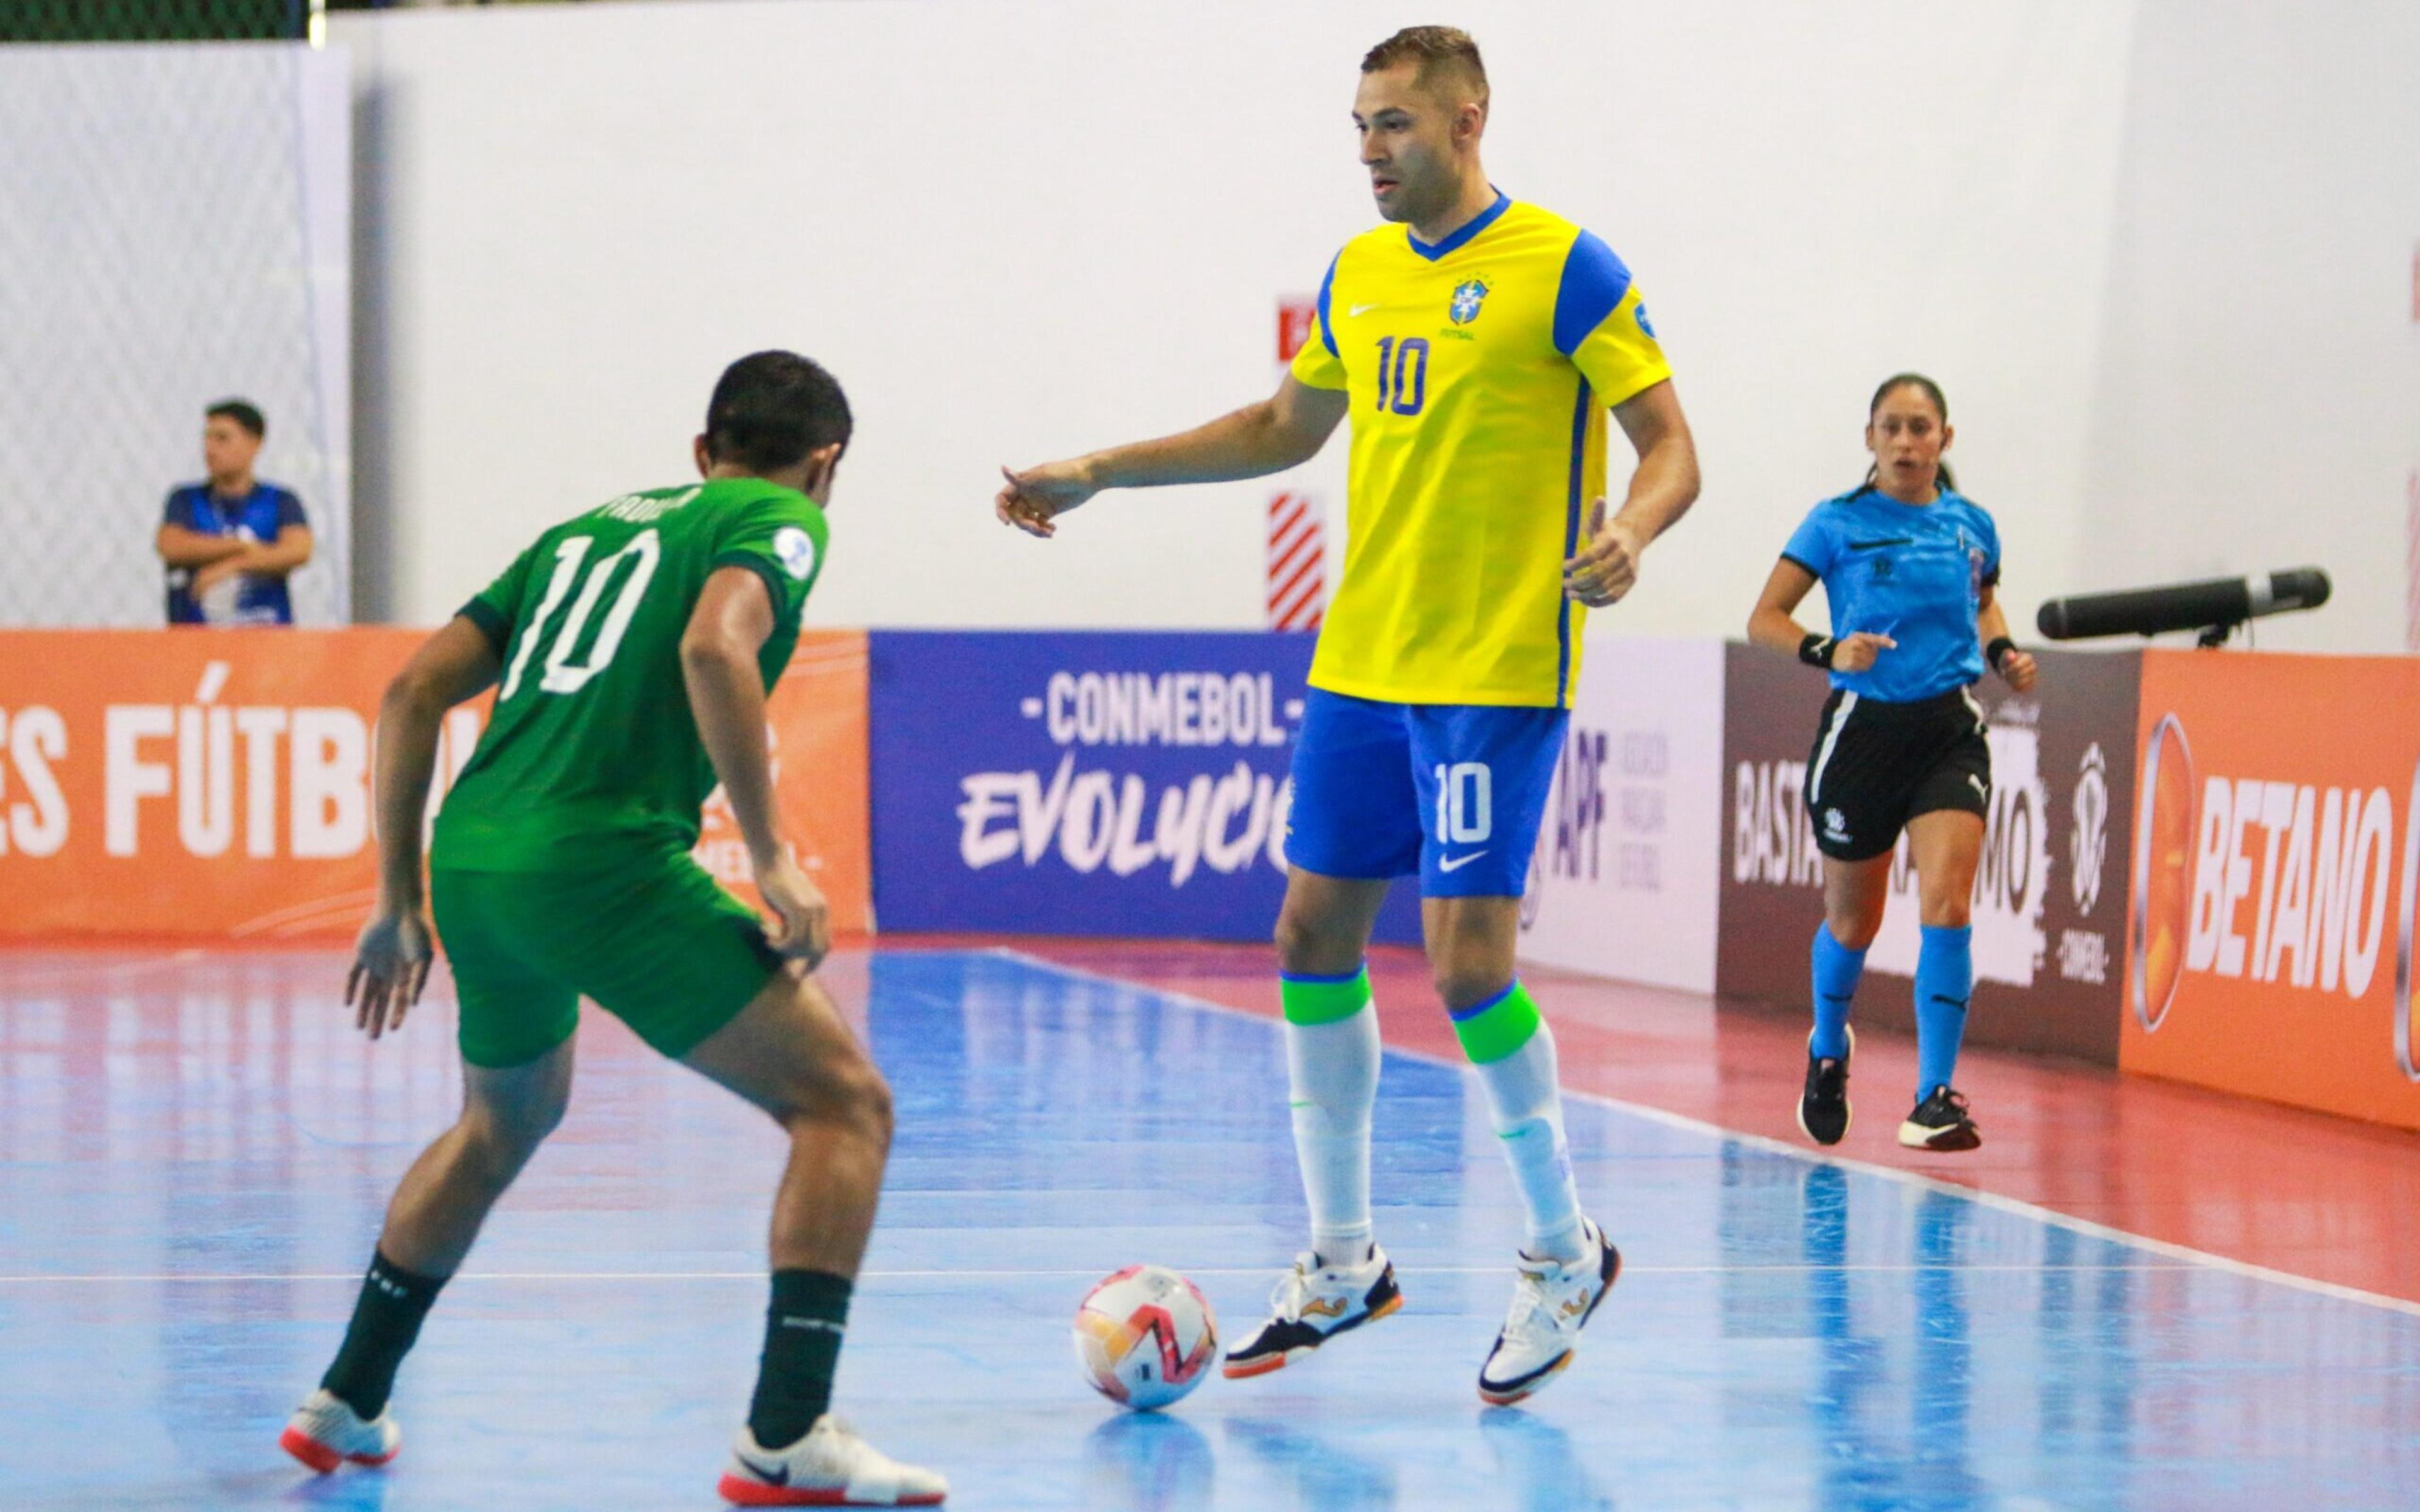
(1945, 979)
(1837, 969)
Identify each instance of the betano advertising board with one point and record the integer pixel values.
(2276, 871)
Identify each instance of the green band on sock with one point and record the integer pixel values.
(1315, 1001)
(1499, 1028)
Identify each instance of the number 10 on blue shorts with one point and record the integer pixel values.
(1454, 792)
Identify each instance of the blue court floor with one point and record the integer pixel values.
(194, 1153)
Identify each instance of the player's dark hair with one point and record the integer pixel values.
(770, 408)
(1434, 48)
(1931, 391)
(242, 412)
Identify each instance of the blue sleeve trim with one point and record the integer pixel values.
(1810, 540)
(1594, 282)
(1572, 506)
(290, 510)
(179, 510)
(1810, 569)
(1327, 330)
(1313, 977)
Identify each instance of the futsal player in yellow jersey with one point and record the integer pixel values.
(1476, 343)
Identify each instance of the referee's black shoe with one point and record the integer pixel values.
(1823, 1106)
(1940, 1123)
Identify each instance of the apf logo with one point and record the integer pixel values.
(2276, 883)
(2087, 836)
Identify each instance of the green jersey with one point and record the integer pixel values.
(592, 750)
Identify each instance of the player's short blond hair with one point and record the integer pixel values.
(1446, 55)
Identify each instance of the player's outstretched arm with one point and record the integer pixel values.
(733, 620)
(391, 958)
(1661, 490)
(1284, 430)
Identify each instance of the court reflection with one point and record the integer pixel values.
(1149, 1463)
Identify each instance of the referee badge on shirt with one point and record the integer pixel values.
(1467, 297)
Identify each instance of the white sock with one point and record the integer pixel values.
(1529, 1117)
(1333, 1068)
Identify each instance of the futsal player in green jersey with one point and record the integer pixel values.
(1478, 345)
(632, 649)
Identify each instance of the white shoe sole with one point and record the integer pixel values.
(1249, 1368)
(1954, 1140)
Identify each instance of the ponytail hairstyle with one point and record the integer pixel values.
(1932, 392)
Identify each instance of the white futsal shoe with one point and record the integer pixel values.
(325, 1432)
(1312, 1304)
(830, 1467)
(1551, 1303)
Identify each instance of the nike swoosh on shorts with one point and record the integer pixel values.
(1456, 863)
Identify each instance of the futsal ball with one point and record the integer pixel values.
(1145, 1337)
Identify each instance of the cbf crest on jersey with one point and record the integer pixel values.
(1467, 296)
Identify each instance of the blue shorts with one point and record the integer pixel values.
(1454, 792)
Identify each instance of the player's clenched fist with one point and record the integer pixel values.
(802, 926)
(1607, 565)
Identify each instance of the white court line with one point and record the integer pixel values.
(264, 1277)
(1774, 1146)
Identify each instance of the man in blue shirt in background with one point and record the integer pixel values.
(229, 544)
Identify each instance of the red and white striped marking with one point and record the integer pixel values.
(1298, 579)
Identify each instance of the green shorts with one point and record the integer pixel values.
(652, 940)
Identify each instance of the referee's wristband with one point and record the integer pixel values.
(2000, 647)
(1816, 651)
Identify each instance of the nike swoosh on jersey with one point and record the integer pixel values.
(1359, 310)
(1456, 863)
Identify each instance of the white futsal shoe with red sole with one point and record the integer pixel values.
(325, 1432)
(830, 1467)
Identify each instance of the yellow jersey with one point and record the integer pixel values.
(1480, 370)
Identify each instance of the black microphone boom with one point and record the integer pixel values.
(2215, 606)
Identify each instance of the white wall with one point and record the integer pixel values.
(1018, 230)
(2258, 402)
(172, 232)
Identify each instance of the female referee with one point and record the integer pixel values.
(1909, 566)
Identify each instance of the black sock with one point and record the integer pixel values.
(802, 1334)
(386, 1319)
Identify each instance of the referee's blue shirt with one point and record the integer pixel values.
(1913, 571)
(258, 515)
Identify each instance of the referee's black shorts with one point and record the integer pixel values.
(1877, 765)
